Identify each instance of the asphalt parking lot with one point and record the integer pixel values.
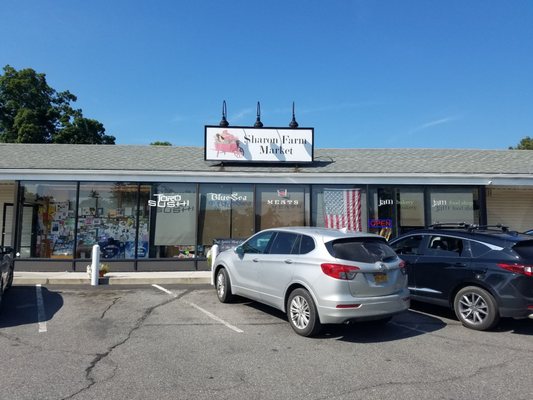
(179, 342)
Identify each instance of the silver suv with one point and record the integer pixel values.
(316, 275)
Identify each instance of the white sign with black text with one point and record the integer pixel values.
(258, 144)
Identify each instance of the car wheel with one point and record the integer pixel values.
(302, 314)
(476, 308)
(223, 286)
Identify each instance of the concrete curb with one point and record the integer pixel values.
(113, 278)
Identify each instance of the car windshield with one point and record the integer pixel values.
(367, 250)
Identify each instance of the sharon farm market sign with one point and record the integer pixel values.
(241, 144)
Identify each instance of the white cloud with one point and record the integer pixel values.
(431, 124)
(239, 115)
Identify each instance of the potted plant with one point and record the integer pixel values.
(104, 269)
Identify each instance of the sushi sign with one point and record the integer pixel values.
(241, 144)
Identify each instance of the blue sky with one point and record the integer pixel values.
(364, 74)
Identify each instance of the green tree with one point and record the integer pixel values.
(33, 112)
(525, 144)
(158, 143)
(83, 131)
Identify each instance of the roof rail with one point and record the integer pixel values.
(449, 225)
(501, 227)
(467, 226)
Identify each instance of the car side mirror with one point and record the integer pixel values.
(239, 250)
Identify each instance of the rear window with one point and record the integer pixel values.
(367, 250)
(524, 249)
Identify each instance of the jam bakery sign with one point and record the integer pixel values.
(240, 144)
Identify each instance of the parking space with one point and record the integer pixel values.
(179, 342)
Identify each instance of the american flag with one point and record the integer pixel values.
(342, 209)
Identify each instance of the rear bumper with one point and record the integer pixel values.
(369, 308)
(519, 312)
(515, 306)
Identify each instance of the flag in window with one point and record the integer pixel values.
(342, 209)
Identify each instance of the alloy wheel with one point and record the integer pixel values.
(221, 285)
(300, 312)
(473, 308)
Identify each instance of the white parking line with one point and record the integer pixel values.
(209, 314)
(164, 290)
(409, 327)
(212, 316)
(41, 316)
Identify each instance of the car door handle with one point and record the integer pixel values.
(288, 261)
(460, 264)
(255, 259)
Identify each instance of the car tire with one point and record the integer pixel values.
(223, 286)
(476, 308)
(302, 313)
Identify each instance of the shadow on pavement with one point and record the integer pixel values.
(19, 306)
(402, 326)
(405, 325)
(516, 326)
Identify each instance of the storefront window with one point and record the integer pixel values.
(279, 206)
(226, 212)
(410, 208)
(173, 226)
(339, 207)
(394, 211)
(107, 217)
(143, 238)
(382, 217)
(48, 219)
(451, 205)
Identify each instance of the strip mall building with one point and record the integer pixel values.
(160, 208)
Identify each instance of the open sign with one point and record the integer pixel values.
(380, 223)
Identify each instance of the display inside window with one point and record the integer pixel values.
(383, 213)
(107, 216)
(395, 210)
(48, 220)
(339, 207)
(143, 238)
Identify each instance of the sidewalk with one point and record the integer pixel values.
(113, 278)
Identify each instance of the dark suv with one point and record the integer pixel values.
(6, 269)
(482, 273)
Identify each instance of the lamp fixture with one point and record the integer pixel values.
(258, 123)
(224, 122)
(293, 124)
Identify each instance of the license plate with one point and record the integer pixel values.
(380, 277)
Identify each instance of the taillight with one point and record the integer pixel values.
(339, 271)
(401, 266)
(518, 268)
